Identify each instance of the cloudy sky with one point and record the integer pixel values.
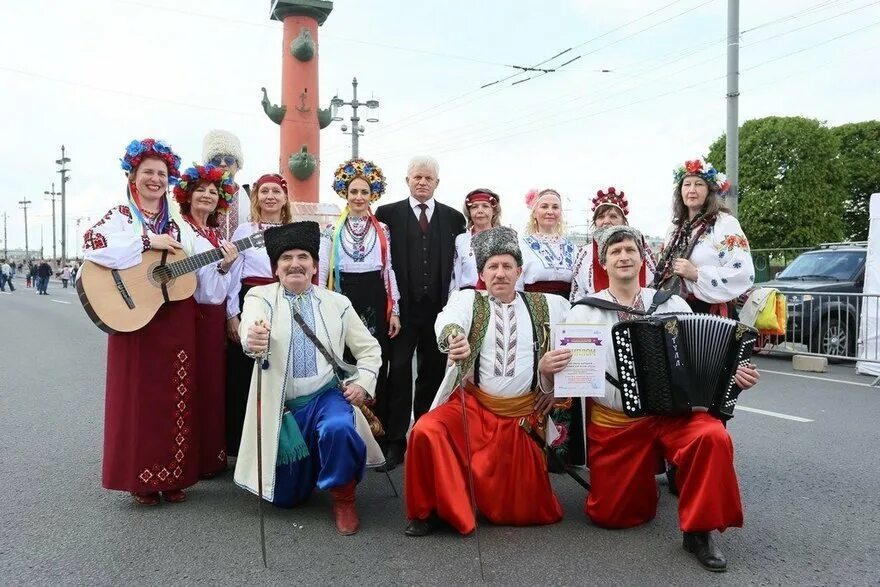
(646, 92)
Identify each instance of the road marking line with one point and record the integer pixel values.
(774, 414)
(59, 301)
(9, 293)
(814, 377)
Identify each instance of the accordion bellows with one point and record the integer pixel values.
(672, 365)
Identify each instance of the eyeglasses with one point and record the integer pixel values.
(229, 160)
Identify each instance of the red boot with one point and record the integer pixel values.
(347, 521)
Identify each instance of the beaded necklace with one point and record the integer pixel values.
(357, 231)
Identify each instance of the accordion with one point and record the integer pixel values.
(675, 364)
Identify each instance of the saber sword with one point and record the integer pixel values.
(470, 471)
(260, 362)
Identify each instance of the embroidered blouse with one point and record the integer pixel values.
(117, 242)
(307, 369)
(723, 262)
(545, 259)
(212, 287)
(253, 262)
(507, 353)
(464, 264)
(359, 255)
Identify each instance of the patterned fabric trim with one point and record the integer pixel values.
(505, 339)
(303, 355)
(156, 474)
(540, 312)
(479, 324)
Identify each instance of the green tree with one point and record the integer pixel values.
(790, 187)
(860, 167)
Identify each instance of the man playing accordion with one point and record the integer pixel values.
(623, 452)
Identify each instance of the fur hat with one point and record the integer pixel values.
(500, 240)
(222, 142)
(305, 235)
(602, 235)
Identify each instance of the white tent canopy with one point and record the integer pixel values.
(869, 324)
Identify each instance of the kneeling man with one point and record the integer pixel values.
(495, 339)
(312, 432)
(624, 451)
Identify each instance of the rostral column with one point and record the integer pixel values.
(298, 113)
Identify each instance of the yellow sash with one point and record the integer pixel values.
(508, 407)
(606, 417)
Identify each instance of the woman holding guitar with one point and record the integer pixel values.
(204, 194)
(149, 445)
(269, 207)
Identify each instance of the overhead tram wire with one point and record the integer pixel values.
(664, 94)
(396, 125)
(457, 136)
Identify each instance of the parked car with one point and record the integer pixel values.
(826, 323)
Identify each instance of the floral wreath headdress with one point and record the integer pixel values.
(137, 151)
(197, 174)
(354, 168)
(705, 170)
(611, 198)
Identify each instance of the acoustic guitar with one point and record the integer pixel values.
(125, 300)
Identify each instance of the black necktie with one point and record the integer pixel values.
(423, 218)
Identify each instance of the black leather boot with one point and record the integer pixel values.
(705, 550)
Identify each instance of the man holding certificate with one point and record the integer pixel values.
(623, 451)
(478, 440)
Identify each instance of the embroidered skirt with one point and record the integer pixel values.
(151, 404)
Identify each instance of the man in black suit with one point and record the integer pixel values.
(423, 235)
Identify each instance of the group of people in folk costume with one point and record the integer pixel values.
(333, 316)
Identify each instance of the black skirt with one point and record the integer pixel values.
(239, 369)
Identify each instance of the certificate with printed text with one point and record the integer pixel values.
(585, 374)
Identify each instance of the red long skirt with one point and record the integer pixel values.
(510, 472)
(211, 382)
(151, 399)
(623, 462)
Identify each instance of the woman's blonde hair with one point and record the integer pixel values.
(532, 224)
(256, 216)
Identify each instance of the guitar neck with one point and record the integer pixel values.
(200, 260)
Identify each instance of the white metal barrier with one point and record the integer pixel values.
(837, 325)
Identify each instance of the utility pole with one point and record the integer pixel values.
(357, 129)
(5, 240)
(24, 206)
(42, 255)
(64, 179)
(52, 195)
(732, 148)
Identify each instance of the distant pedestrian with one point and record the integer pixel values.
(44, 272)
(65, 276)
(6, 275)
(32, 275)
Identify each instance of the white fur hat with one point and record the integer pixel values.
(222, 142)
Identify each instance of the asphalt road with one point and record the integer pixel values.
(811, 492)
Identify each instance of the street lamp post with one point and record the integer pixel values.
(24, 206)
(52, 195)
(64, 179)
(357, 129)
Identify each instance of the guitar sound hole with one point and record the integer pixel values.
(162, 274)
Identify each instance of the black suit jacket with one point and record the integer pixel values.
(451, 224)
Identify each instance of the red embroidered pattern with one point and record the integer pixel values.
(94, 240)
(125, 211)
(157, 473)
